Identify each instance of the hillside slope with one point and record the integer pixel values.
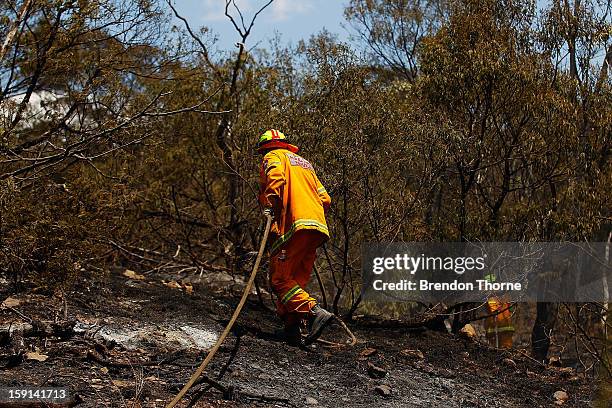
(135, 342)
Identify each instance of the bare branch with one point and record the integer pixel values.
(203, 48)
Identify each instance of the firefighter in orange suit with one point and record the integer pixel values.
(499, 324)
(292, 193)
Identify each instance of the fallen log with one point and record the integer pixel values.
(37, 328)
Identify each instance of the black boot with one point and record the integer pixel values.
(317, 321)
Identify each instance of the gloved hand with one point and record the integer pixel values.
(268, 211)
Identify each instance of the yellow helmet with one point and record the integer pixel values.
(274, 139)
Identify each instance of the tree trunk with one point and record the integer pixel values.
(546, 318)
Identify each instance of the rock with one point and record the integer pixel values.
(133, 275)
(376, 372)
(311, 401)
(11, 302)
(173, 284)
(383, 390)
(560, 397)
(418, 354)
(509, 362)
(34, 355)
(216, 281)
(468, 332)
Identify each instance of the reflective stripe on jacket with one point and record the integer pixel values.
(292, 180)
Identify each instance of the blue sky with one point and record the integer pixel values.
(292, 19)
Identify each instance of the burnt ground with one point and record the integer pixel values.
(136, 342)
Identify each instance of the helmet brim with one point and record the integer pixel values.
(277, 144)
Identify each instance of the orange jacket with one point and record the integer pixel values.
(291, 179)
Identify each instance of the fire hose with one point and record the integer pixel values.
(228, 328)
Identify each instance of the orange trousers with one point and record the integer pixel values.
(499, 327)
(290, 270)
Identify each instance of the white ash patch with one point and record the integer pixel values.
(168, 335)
